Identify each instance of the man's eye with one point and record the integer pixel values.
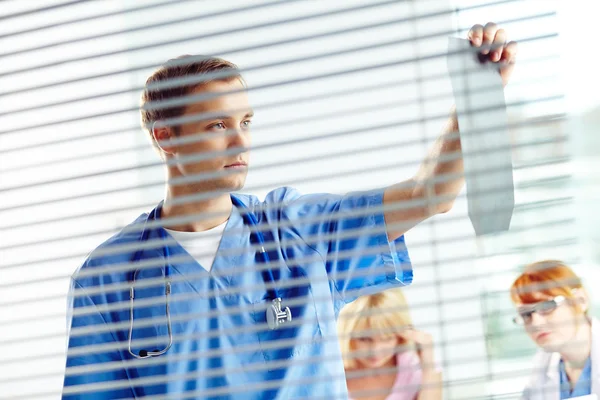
(219, 125)
(246, 124)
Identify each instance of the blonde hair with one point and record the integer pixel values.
(386, 312)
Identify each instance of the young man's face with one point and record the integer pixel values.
(221, 139)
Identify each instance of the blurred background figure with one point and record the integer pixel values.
(553, 305)
(385, 358)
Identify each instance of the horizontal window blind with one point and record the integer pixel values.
(347, 98)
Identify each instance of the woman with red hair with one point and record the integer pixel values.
(552, 306)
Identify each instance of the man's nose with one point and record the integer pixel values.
(238, 138)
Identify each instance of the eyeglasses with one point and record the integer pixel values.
(525, 315)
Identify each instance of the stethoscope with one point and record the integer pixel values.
(275, 314)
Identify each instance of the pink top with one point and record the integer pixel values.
(408, 380)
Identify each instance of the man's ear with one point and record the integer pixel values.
(162, 135)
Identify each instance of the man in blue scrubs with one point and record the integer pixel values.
(178, 304)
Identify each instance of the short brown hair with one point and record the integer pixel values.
(176, 79)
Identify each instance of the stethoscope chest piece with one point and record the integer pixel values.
(277, 316)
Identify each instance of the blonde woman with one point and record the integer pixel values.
(384, 357)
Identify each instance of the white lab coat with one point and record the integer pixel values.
(544, 382)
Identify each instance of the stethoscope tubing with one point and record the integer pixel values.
(274, 313)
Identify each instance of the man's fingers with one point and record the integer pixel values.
(509, 54)
(489, 33)
(497, 45)
(476, 35)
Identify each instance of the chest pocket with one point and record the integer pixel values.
(298, 337)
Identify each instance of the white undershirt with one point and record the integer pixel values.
(203, 245)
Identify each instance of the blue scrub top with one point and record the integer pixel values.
(583, 387)
(334, 248)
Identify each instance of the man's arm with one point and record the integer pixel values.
(433, 188)
(440, 177)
